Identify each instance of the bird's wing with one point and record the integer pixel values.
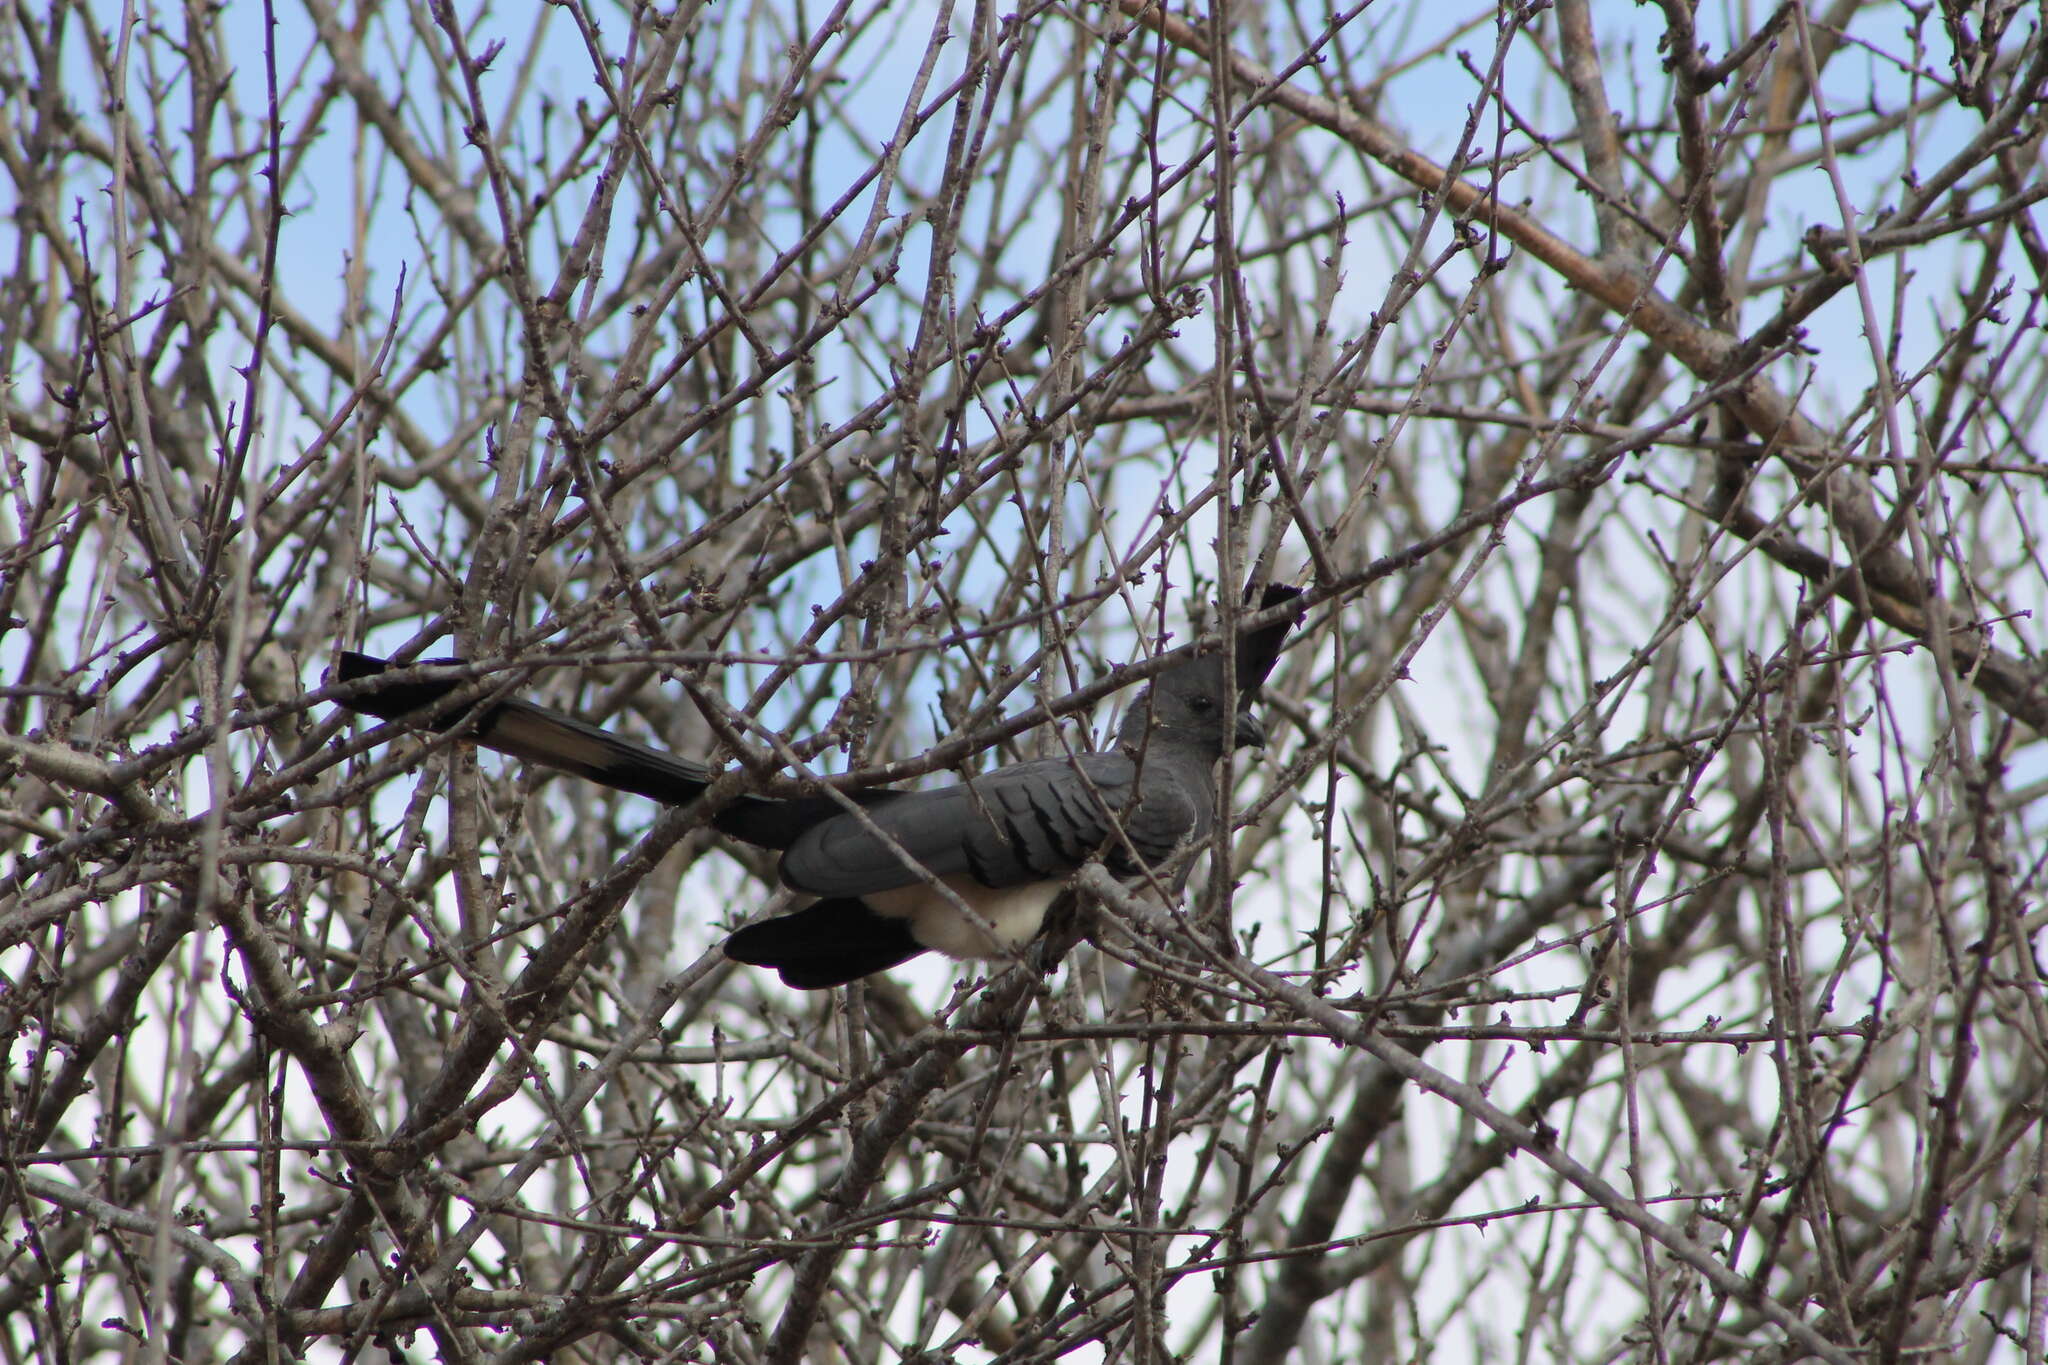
(827, 943)
(1029, 822)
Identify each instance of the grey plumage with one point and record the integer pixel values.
(1043, 819)
(1001, 846)
(969, 869)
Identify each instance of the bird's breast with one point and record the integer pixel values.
(1013, 914)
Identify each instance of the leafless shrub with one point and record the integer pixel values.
(1626, 950)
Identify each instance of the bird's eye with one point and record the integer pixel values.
(1201, 703)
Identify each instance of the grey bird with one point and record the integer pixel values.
(967, 870)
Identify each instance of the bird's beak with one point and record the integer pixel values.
(1250, 734)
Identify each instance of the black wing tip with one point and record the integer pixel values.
(353, 667)
(823, 945)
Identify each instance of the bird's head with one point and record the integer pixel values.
(1188, 704)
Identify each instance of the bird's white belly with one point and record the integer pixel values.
(1014, 913)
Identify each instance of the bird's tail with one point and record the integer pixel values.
(532, 733)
